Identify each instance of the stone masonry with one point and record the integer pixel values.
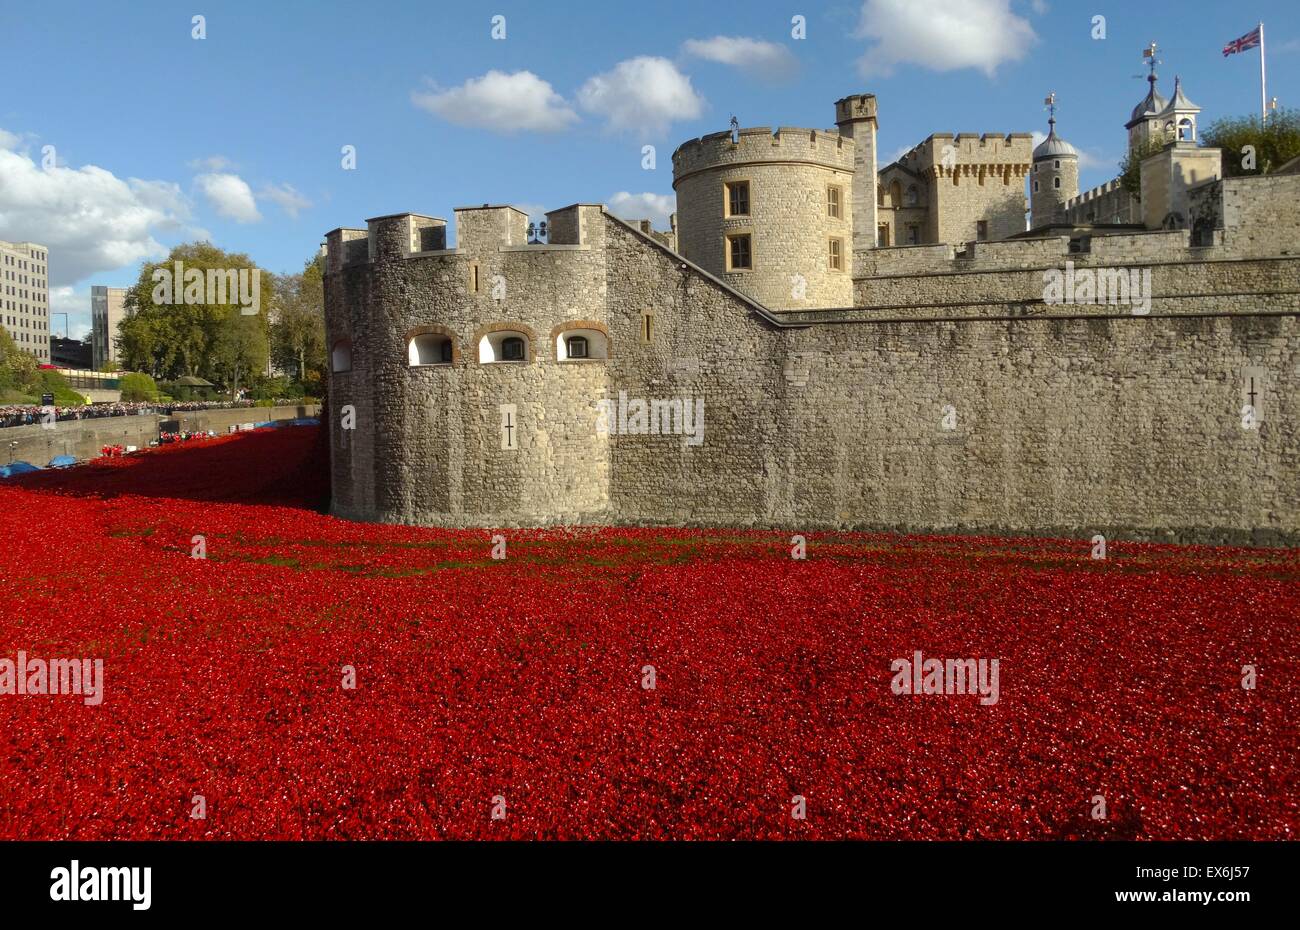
(942, 392)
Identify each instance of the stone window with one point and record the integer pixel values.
(581, 340)
(1056, 183)
(341, 355)
(982, 230)
(833, 202)
(737, 198)
(474, 284)
(504, 345)
(430, 349)
(913, 234)
(1057, 164)
(882, 235)
(912, 196)
(835, 255)
(647, 327)
(895, 195)
(1035, 187)
(740, 256)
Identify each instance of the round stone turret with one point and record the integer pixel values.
(770, 213)
(1054, 178)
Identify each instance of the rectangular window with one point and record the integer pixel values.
(833, 202)
(882, 235)
(913, 234)
(981, 230)
(739, 255)
(647, 327)
(473, 278)
(738, 198)
(835, 256)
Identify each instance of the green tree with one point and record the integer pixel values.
(169, 335)
(238, 349)
(1275, 142)
(17, 368)
(298, 324)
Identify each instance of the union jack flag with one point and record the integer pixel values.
(1248, 41)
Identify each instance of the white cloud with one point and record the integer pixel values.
(288, 198)
(980, 34)
(500, 102)
(230, 196)
(643, 94)
(753, 56)
(212, 163)
(653, 207)
(91, 220)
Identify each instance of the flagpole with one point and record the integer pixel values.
(1263, 95)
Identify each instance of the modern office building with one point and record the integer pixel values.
(107, 309)
(25, 296)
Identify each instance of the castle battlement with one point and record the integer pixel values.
(479, 230)
(1100, 190)
(760, 144)
(989, 148)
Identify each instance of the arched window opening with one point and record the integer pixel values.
(581, 344)
(430, 349)
(504, 345)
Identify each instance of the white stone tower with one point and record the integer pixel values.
(1054, 179)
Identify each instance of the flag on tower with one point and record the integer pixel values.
(1248, 41)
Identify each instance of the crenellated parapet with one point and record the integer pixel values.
(972, 155)
(824, 147)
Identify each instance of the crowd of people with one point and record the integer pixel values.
(27, 414)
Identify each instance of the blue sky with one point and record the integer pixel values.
(161, 138)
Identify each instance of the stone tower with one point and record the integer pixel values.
(770, 213)
(1178, 119)
(856, 118)
(1144, 122)
(1055, 176)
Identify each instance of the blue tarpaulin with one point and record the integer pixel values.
(17, 468)
(62, 461)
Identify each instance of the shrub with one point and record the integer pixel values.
(137, 386)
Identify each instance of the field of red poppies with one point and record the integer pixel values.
(507, 698)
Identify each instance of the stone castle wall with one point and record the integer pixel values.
(1068, 420)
